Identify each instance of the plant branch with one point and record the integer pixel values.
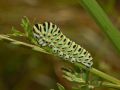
(110, 85)
(36, 48)
(100, 74)
(16, 42)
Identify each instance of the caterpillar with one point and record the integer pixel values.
(49, 34)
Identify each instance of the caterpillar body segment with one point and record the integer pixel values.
(48, 34)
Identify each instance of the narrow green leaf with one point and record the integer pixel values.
(103, 21)
(15, 32)
(60, 87)
(73, 77)
(28, 29)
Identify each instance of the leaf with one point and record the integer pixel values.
(28, 29)
(16, 32)
(60, 87)
(26, 26)
(103, 21)
(73, 77)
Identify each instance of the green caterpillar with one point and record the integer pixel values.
(48, 34)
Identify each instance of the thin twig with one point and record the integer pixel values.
(110, 85)
(100, 74)
(16, 42)
(92, 70)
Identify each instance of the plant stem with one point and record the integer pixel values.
(19, 43)
(100, 74)
(105, 76)
(110, 85)
(103, 21)
(37, 48)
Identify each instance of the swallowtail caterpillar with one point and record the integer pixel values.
(48, 34)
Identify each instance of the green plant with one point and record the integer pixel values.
(81, 79)
(102, 20)
(84, 79)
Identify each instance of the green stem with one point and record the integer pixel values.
(105, 76)
(100, 74)
(110, 85)
(19, 43)
(36, 48)
(103, 21)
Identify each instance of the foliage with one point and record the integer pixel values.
(60, 87)
(102, 20)
(81, 78)
(84, 78)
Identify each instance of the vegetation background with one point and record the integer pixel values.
(24, 69)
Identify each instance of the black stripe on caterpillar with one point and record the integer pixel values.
(48, 34)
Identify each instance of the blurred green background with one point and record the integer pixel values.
(24, 69)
